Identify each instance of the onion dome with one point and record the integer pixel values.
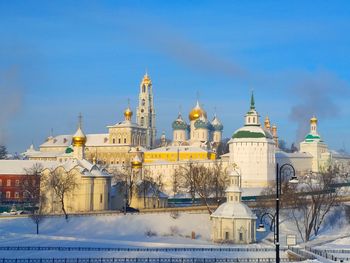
(313, 120)
(267, 124)
(197, 112)
(216, 124)
(79, 138)
(202, 123)
(136, 162)
(146, 80)
(179, 123)
(128, 113)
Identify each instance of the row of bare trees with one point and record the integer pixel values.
(309, 202)
(206, 182)
(199, 181)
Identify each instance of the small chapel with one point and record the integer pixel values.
(233, 221)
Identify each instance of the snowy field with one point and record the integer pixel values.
(146, 236)
(119, 231)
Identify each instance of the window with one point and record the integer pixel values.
(143, 88)
(16, 195)
(0, 182)
(143, 102)
(8, 182)
(231, 198)
(227, 235)
(240, 236)
(101, 198)
(119, 141)
(17, 182)
(8, 194)
(142, 121)
(113, 140)
(124, 140)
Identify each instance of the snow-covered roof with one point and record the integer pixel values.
(20, 167)
(234, 210)
(66, 140)
(126, 124)
(281, 154)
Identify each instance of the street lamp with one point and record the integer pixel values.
(289, 171)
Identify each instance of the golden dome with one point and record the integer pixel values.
(128, 113)
(136, 162)
(267, 123)
(146, 80)
(313, 120)
(197, 112)
(79, 138)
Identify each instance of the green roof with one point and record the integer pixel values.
(248, 134)
(69, 150)
(310, 138)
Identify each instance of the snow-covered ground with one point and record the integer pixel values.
(119, 231)
(151, 231)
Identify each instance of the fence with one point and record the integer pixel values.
(139, 260)
(221, 249)
(327, 253)
(302, 253)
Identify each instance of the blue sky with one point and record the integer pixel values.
(59, 58)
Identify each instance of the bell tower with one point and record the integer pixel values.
(146, 115)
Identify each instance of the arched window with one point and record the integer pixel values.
(124, 140)
(113, 140)
(142, 121)
(143, 88)
(143, 102)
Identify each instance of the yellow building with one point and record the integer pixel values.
(117, 146)
(178, 153)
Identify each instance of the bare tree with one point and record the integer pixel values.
(176, 181)
(312, 200)
(31, 185)
(62, 184)
(125, 179)
(187, 174)
(219, 180)
(32, 193)
(156, 186)
(203, 182)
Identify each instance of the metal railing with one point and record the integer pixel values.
(180, 249)
(139, 260)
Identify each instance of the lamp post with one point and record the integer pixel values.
(293, 179)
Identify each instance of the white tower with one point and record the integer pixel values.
(146, 115)
(233, 221)
(252, 148)
(314, 145)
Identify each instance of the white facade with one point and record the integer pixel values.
(252, 149)
(233, 221)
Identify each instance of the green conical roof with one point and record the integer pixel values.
(252, 102)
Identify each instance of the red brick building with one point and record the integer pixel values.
(13, 178)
